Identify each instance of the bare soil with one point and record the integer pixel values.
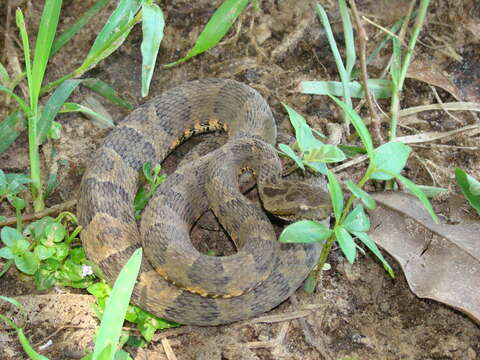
(358, 312)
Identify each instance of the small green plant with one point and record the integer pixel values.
(11, 185)
(385, 162)
(49, 252)
(144, 194)
(470, 188)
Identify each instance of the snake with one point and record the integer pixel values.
(177, 282)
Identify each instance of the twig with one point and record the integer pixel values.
(168, 350)
(38, 215)
(362, 44)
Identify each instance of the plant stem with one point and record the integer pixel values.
(18, 216)
(395, 106)
(34, 158)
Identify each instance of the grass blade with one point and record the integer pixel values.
(10, 128)
(470, 188)
(4, 77)
(23, 105)
(105, 90)
(53, 106)
(216, 28)
(152, 27)
(380, 88)
(94, 115)
(26, 52)
(359, 126)
(349, 39)
(65, 37)
(117, 304)
(124, 12)
(43, 44)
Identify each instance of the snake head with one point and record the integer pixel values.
(291, 200)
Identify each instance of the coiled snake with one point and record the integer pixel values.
(177, 282)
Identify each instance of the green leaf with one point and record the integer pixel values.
(28, 262)
(124, 12)
(310, 284)
(391, 156)
(43, 252)
(415, 190)
(287, 150)
(432, 191)
(216, 28)
(349, 39)
(357, 220)
(366, 199)
(77, 255)
(316, 166)
(470, 188)
(43, 44)
(73, 107)
(396, 66)
(346, 243)
(364, 238)
(336, 194)
(152, 27)
(55, 232)
(117, 304)
(6, 253)
(44, 279)
(303, 132)
(99, 290)
(10, 128)
(359, 126)
(326, 153)
(20, 21)
(53, 106)
(65, 37)
(105, 90)
(305, 231)
(10, 236)
(4, 77)
(23, 105)
(379, 88)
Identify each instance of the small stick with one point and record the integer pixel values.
(38, 215)
(168, 350)
(362, 44)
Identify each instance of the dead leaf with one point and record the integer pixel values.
(441, 262)
(429, 72)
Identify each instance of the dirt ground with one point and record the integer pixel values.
(358, 312)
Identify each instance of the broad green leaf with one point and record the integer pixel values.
(123, 13)
(65, 37)
(6, 253)
(303, 132)
(415, 190)
(74, 107)
(216, 28)
(364, 238)
(305, 231)
(470, 188)
(55, 232)
(391, 156)
(287, 150)
(336, 194)
(346, 243)
(326, 153)
(10, 236)
(17, 202)
(366, 199)
(53, 106)
(28, 262)
(380, 88)
(152, 27)
(10, 128)
(357, 220)
(359, 126)
(317, 166)
(105, 90)
(43, 44)
(43, 252)
(117, 304)
(23, 105)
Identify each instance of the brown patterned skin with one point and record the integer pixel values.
(176, 281)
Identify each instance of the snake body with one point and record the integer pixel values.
(177, 282)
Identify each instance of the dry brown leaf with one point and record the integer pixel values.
(441, 262)
(430, 73)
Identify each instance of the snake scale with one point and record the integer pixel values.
(176, 281)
